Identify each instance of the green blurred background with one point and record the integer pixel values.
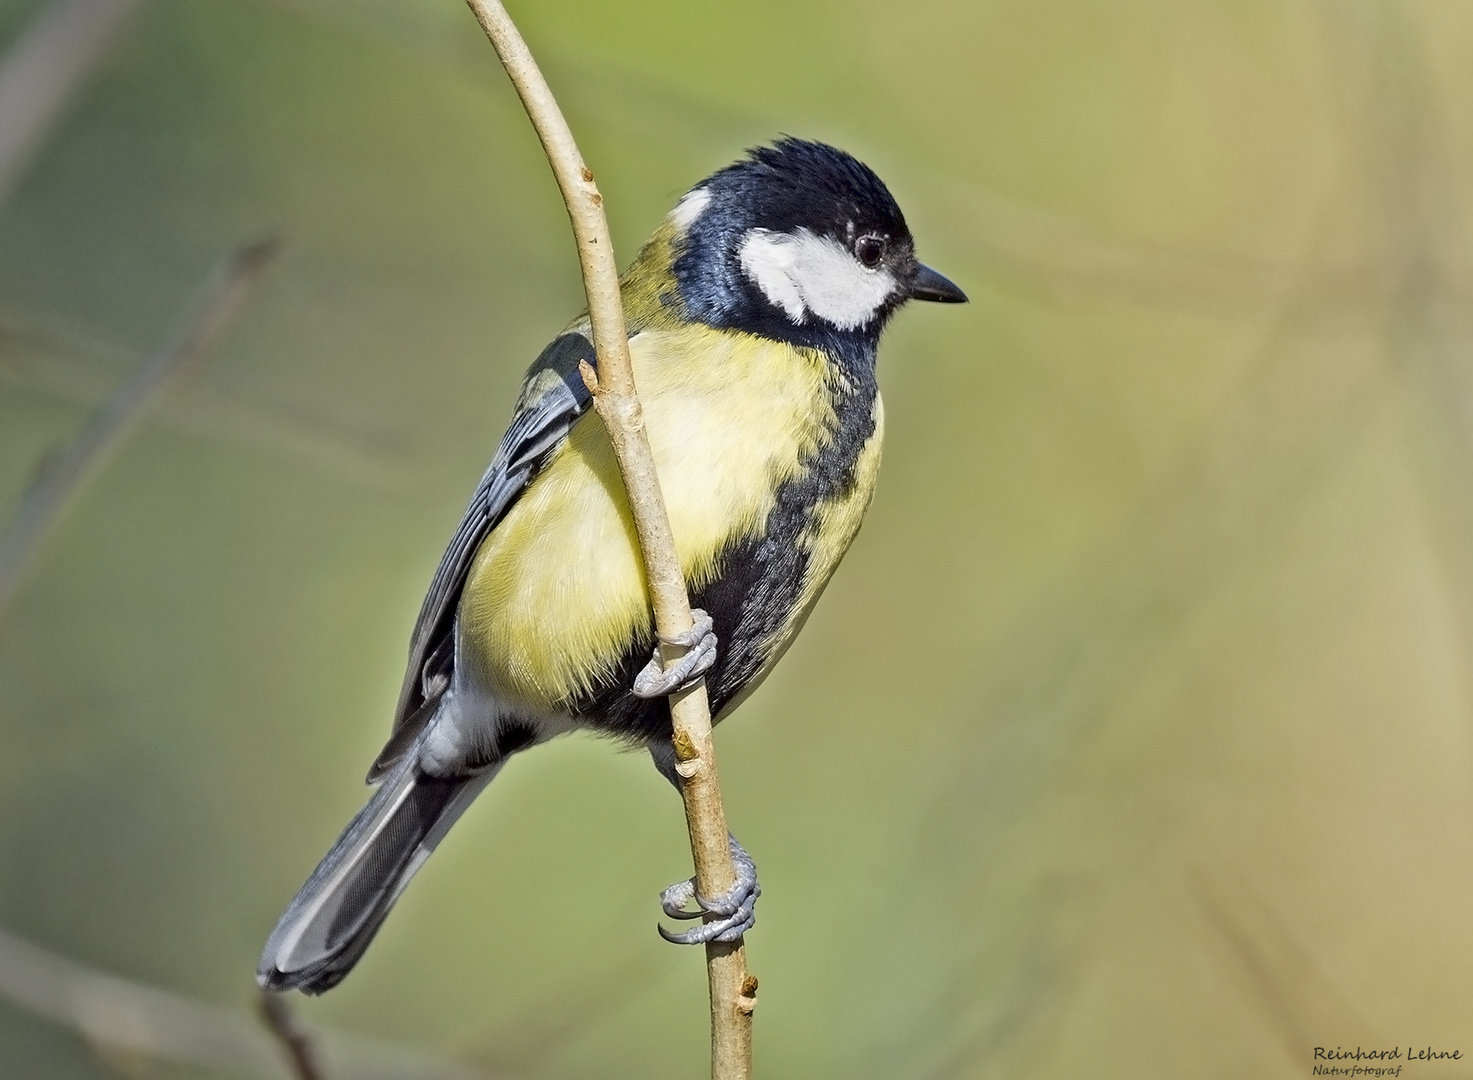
(1131, 740)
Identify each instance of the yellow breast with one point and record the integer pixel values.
(557, 592)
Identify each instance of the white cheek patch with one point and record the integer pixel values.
(767, 258)
(806, 274)
(689, 208)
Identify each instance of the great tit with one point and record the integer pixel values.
(754, 315)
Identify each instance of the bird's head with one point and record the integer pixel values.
(798, 241)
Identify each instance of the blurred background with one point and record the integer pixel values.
(1131, 740)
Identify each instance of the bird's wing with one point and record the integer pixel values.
(553, 397)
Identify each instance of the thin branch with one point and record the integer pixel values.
(121, 415)
(732, 989)
(295, 1041)
(45, 67)
(117, 1014)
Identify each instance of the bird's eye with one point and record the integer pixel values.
(869, 250)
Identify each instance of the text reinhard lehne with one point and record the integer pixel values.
(1394, 1054)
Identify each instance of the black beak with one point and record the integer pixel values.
(929, 285)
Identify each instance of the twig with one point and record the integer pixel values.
(44, 68)
(732, 989)
(301, 1054)
(121, 415)
(116, 1014)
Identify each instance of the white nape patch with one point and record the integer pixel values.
(806, 274)
(690, 207)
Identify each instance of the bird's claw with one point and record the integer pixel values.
(736, 908)
(654, 681)
(674, 899)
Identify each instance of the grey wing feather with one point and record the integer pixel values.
(553, 397)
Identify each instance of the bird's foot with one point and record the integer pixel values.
(735, 909)
(700, 639)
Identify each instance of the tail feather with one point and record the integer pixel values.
(338, 911)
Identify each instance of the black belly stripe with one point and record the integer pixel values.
(759, 580)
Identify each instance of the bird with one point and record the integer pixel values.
(754, 315)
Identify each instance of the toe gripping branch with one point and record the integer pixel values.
(730, 915)
(654, 682)
(735, 909)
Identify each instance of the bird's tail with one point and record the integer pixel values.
(338, 911)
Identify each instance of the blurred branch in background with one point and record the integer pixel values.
(1398, 144)
(61, 480)
(110, 1012)
(124, 1018)
(1287, 984)
(43, 70)
(1054, 256)
(69, 365)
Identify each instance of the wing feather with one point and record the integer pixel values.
(553, 397)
